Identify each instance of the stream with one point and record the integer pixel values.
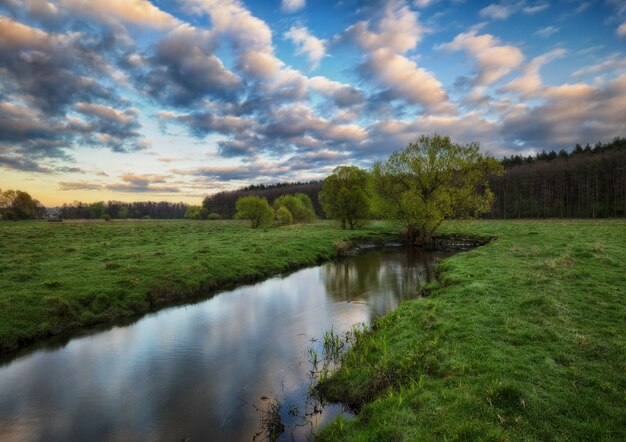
(208, 370)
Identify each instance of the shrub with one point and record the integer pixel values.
(284, 216)
(256, 210)
(105, 217)
(193, 212)
(214, 216)
(9, 215)
(299, 205)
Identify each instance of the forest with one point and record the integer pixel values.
(588, 182)
(122, 210)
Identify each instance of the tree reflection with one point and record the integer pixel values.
(382, 278)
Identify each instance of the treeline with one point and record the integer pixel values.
(17, 205)
(122, 210)
(588, 182)
(223, 203)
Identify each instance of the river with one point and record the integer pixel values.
(208, 370)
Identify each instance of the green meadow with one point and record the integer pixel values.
(59, 276)
(521, 339)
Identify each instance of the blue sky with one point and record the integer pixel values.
(173, 100)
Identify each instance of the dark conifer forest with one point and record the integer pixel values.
(588, 182)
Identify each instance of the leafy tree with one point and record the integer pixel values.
(433, 179)
(284, 216)
(255, 209)
(299, 205)
(344, 196)
(21, 204)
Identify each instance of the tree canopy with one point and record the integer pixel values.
(344, 196)
(430, 180)
(16, 204)
(256, 210)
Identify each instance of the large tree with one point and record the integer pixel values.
(344, 196)
(20, 205)
(433, 179)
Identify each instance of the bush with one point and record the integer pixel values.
(105, 217)
(284, 216)
(193, 212)
(299, 205)
(256, 210)
(9, 215)
(214, 216)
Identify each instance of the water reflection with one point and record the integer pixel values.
(382, 280)
(198, 371)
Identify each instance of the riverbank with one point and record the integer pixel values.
(522, 339)
(60, 276)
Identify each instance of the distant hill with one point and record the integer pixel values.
(224, 202)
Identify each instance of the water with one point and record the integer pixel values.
(203, 371)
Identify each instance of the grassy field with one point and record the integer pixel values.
(522, 339)
(58, 276)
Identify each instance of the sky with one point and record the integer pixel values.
(136, 100)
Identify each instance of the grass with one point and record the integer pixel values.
(59, 276)
(522, 339)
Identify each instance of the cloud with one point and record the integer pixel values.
(572, 113)
(500, 11)
(19, 162)
(142, 184)
(81, 185)
(494, 60)
(386, 136)
(293, 5)
(621, 30)
(307, 44)
(136, 12)
(424, 3)
(395, 33)
(48, 80)
(406, 81)
(611, 63)
(539, 7)
(547, 31)
(110, 127)
(313, 164)
(207, 121)
(49, 70)
(251, 40)
(398, 30)
(529, 84)
(184, 70)
(343, 95)
(299, 121)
